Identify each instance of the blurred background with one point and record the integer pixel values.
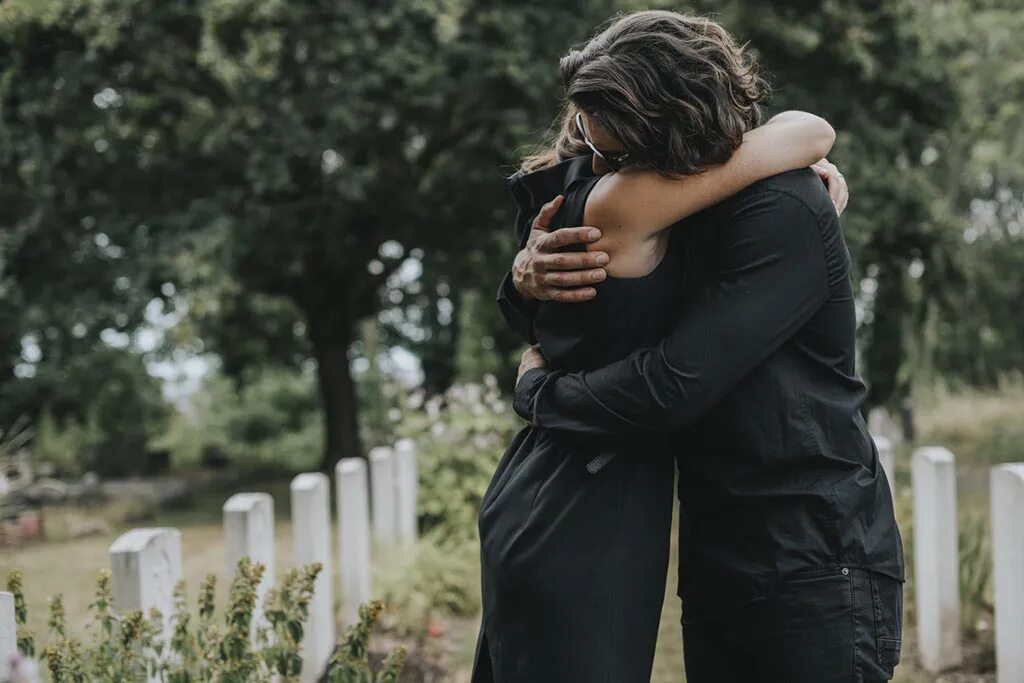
(241, 239)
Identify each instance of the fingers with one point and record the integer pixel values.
(844, 195)
(573, 278)
(547, 214)
(566, 236)
(835, 182)
(573, 296)
(838, 189)
(835, 188)
(571, 260)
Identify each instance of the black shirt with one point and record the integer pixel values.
(757, 382)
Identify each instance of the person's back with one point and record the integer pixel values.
(766, 493)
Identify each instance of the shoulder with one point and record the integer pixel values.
(532, 190)
(793, 212)
(799, 188)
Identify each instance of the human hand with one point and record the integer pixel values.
(836, 183)
(532, 358)
(543, 273)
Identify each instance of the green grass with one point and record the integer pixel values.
(70, 566)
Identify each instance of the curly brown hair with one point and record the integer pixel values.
(676, 90)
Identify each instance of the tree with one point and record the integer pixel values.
(974, 331)
(294, 151)
(77, 263)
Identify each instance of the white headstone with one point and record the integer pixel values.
(382, 495)
(1008, 577)
(145, 565)
(311, 523)
(406, 489)
(8, 633)
(888, 461)
(249, 532)
(936, 558)
(353, 536)
(880, 423)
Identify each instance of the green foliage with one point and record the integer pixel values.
(976, 333)
(26, 642)
(97, 411)
(287, 609)
(432, 580)
(238, 661)
(261, 154)
(975, 569)
(64, 445)
(461, 436)
(982, 427)
(128, 647)
(123, 646)
(351, 663)
(271, 418)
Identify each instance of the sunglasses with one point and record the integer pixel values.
(615, 160)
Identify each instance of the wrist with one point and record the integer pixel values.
(526, 389)
(518, 289)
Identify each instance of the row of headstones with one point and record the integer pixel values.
(146, 563)
(937, 559)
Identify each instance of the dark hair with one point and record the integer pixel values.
(675, 90)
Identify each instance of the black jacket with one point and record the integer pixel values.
(757, 383)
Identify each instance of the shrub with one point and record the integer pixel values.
(273, 417)
(128, 647)
(461, 436)
(351, 661)
(432, 581)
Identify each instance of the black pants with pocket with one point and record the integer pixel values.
(837, 625)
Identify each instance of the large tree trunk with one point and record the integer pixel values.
(331, 339)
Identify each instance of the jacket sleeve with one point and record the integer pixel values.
(517, 311)
(773, 276)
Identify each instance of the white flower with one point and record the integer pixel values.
(433, 407)
(416, 399)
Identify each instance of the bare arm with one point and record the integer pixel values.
(636, 204)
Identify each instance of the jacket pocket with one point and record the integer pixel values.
(887, 595)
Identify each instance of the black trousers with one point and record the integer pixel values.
(838, 625)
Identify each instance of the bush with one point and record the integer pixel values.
(65, 445)
(128, 647)
(461, 436)
(274, 417)
(431, 581)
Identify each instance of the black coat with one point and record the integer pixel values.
(757, 381)
(575, 532)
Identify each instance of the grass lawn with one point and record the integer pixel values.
(70, 567)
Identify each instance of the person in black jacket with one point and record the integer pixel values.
(791, 563)
(575, 527)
